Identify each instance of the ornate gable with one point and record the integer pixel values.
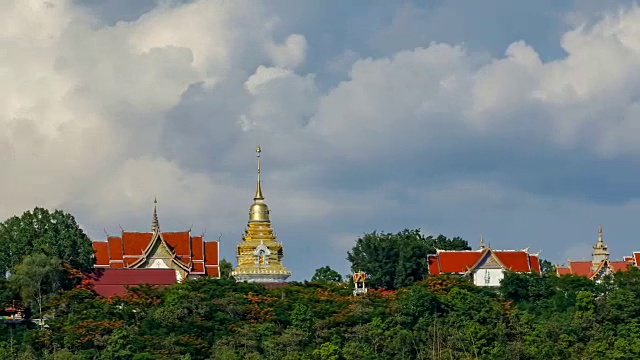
(159, 254)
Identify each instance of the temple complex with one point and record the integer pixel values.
(600, 264)
(485, 266)
(187, 255)
(259, 254)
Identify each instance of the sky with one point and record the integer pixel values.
(519, 121)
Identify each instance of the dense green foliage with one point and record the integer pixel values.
(54, 234)
(398, 260)
(528, 317)
(326, 274)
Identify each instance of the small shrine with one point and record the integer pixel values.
(359, 283)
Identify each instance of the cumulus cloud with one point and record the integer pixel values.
(99, 117)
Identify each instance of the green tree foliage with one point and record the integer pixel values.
(225, 269)
(398, 260)
(55, 234)
(37, 277)
(326, 274)
(528, 317)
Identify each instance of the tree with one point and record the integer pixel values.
(546, 267)
(54, 234)
(398, 260)
(225, 269)
(37, 277)
(326, 274)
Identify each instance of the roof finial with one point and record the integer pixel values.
(600, 234)
(481, 241)
(258, 195)
(155, 224)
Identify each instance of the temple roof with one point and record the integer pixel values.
(464, 261)
(585, 267)
(109, 282)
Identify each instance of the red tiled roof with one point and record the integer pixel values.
(618, 265)
(434, 265)
(109, 282)
(101, 249)
(198, 267)
(135, 242)
(197, 248)
(517, 261)
(636, 258)
(563, 270)
(191, 252)
(115, 248)
(463, 261)
(534, 260)
(581, 268)
(179, 241)
(458, 261)
(213, 271)
(211, 252)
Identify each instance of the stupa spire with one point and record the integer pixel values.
(600, 241)
(155, 224)
(258, 196)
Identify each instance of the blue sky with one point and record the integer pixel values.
(514, 120)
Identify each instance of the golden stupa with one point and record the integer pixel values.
(259, 254)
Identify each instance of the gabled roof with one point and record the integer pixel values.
(101, 251)
(463, 261)
(191, 253)
(584, 267)
(158, 237)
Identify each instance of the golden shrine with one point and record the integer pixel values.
(259, 254)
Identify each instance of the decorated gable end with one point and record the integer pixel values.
(485, 266)
(185, 255)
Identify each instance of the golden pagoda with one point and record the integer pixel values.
(259, 254)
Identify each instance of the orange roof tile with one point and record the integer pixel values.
(179, 241)
(211, 252)
(213, 271)
(563, 270)
(197, 248)
(434, 265)
(458, 261)
(135, 242)
(101, 249)
(517, 261)
(198, 267)
(534, 260)
(636, 258)
(618, 265)
(115, 248)
(582, 268)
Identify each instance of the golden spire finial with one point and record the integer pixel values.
(258, 195)
(481, 241)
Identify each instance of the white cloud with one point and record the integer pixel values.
(85, 107)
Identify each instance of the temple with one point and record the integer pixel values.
(188, 256)
(484, 266)
(259, 254)
(600, 264)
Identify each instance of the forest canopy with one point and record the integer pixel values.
(406, 314)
